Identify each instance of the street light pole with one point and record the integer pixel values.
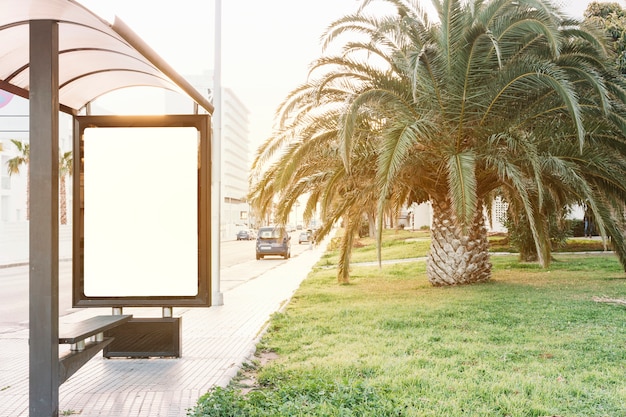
(217, 298)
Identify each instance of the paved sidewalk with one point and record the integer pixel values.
(216, 341)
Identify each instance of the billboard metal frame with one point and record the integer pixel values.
(203, 297)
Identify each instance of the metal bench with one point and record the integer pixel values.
(86, 339)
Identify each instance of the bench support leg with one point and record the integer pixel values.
(74, 360)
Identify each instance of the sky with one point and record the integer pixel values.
(267, 45)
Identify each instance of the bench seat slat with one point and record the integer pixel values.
(72, 333)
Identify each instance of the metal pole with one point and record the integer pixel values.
(44, 220)
(217, 298)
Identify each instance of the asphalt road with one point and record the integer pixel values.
(237, 265)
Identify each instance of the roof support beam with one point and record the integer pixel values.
(216, 163)
(44, 220)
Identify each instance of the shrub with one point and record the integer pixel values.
(521, 237)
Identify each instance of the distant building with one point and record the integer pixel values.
(236, 161)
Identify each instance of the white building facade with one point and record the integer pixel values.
(236, 163)
(235, 158)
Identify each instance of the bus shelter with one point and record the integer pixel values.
(61, 57)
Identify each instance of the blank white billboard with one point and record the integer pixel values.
(140, 211)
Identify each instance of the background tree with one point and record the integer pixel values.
(611, 18)
(14, 165)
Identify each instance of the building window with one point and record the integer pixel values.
(500, 208)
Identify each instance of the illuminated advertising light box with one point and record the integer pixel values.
(141, 212)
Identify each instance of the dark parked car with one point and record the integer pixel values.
(245, 235)
(273, 240)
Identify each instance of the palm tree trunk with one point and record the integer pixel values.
(457, 257)
(371, 223)
(352, 224)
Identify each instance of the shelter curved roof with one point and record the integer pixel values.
(95, 57)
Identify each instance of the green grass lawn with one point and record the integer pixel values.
(532, 342)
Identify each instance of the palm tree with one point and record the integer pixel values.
(14, 165)
(65, 169)
(314, 167)
(501, 97)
